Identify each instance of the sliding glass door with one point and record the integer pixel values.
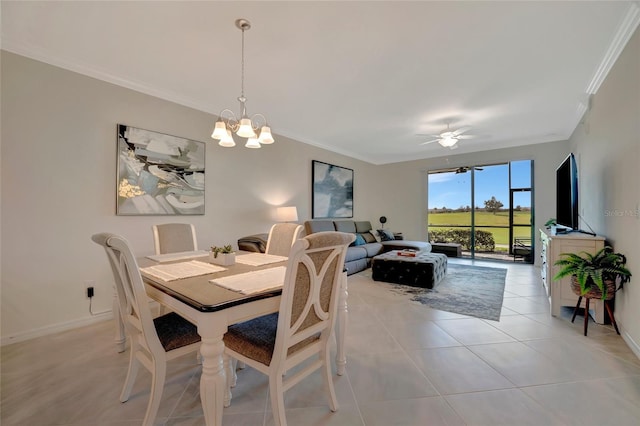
(486, 209)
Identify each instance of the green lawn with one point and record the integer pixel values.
(500, 235)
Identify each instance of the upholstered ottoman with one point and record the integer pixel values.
(424, 270)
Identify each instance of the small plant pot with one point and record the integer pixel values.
(594, 292)
(222, 259)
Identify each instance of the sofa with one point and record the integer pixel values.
(368, 242)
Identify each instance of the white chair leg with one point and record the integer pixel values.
(132, 372)
(276, 393)
(328, 381)
(157, 386)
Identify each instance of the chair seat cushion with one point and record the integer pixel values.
(175, 332)
(256, 338)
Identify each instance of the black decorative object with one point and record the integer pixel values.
(383, 220)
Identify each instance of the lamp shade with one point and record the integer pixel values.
(287, 214)
(227, 140)
(220, 131)
(265, 136)
(246, 130)
(252, 143)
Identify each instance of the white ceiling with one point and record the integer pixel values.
(358, 78)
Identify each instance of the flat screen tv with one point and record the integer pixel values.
(567, 194)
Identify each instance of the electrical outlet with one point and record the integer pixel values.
(89, 286)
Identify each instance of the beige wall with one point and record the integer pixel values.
(607, 145)
(58, 187)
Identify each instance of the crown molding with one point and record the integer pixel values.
(38, 54)
(625, 31)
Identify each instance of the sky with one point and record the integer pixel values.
(453, 190)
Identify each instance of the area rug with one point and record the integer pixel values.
(468, 290)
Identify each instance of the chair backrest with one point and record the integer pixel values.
(132, 296)
(281, 237)
(174, 237)
(310, 293)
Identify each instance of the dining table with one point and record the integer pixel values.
(213, 308)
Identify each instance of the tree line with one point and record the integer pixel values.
(492, 205)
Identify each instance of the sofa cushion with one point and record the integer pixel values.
(345, 226)
(422, 246)
(312, 226)
(373, 249)
(355, 253)
(363, 226)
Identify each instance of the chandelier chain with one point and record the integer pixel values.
(242, 66)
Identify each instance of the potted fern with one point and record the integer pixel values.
(594, 275)
(223, 256)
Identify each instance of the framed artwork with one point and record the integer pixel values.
(159, 174)
(332, 191)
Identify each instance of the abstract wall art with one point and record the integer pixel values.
(332, 191)
(159, 174)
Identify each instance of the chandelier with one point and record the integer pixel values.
(244, 127)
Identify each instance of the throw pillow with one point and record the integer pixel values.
(359, 240)
(386, 235)
(368, 237)
(375, 235)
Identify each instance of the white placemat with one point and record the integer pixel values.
(259, 259)
(176, 271)
(253, 282)
(182, 255)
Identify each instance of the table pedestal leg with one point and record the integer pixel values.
(341, 325)
(213, 383)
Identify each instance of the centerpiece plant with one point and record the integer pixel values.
(594, 275)
(223, 255)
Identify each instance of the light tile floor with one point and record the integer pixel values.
(407, 365)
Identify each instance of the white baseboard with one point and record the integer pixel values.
(55, 328)
(633, 345)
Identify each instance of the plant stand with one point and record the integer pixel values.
(586, 313)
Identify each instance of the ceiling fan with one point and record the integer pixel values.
(449, 138)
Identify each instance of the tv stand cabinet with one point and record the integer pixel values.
(559, 292)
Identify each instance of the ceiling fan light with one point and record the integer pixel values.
(220, 131)
(265, 136)
(246, 130)
(448, 142)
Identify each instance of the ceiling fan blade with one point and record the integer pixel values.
(428, 142)
(461, 130)
(466, 136)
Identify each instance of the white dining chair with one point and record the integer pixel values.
(281, 238)
(153, 341)
(274, 344)
(174, 238)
